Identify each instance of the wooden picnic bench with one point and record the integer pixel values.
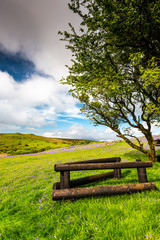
(64, 189)
(65, 181)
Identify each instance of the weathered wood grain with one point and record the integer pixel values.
(96, 166)
(101, 191)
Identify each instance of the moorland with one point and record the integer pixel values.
(27, 211)
(17, 143)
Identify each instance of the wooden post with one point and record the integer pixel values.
(117, 172)
(100, 191)
(142, 175)
(64, 179)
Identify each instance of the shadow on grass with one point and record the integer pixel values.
(134, 155)
(125, 174)
(153, 179)
(112, 181)
(109, 183)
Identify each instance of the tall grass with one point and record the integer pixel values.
(28, 212)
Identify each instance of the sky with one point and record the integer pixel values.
(32, 62)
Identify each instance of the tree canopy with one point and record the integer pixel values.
(116, 65)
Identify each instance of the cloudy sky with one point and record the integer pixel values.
(32, 61)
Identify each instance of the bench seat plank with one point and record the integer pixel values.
(96, 166)
(101, 191)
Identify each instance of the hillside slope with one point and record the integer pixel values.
(27, 211)
(17, 143)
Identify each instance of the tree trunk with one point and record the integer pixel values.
(152, 152)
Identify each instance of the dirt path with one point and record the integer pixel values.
(81, 147)
(77, 148)
(67, 149)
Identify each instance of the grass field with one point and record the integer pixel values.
(17, 143)
(27, 211)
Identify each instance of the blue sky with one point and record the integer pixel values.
(34, 102)
(32, 61)
(16, 65)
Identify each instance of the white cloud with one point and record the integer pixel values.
(9, 128)
(32, 27)
(32, 102)
(78, 131)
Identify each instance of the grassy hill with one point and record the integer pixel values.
(27, 211)
(17, 143)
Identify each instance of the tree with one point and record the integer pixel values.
(116, 65)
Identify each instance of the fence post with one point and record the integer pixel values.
(142, 175)
(117, 172)
(64, 179)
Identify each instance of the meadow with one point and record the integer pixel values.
(27, 211)
(17, 143)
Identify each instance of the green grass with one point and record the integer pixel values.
(17, 143)
(27, 211)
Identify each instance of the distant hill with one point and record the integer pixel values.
(17, 143)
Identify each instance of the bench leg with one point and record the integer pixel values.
(142, 175)
(117, 173)
(64, 179)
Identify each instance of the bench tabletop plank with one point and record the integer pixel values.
(96, 166)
